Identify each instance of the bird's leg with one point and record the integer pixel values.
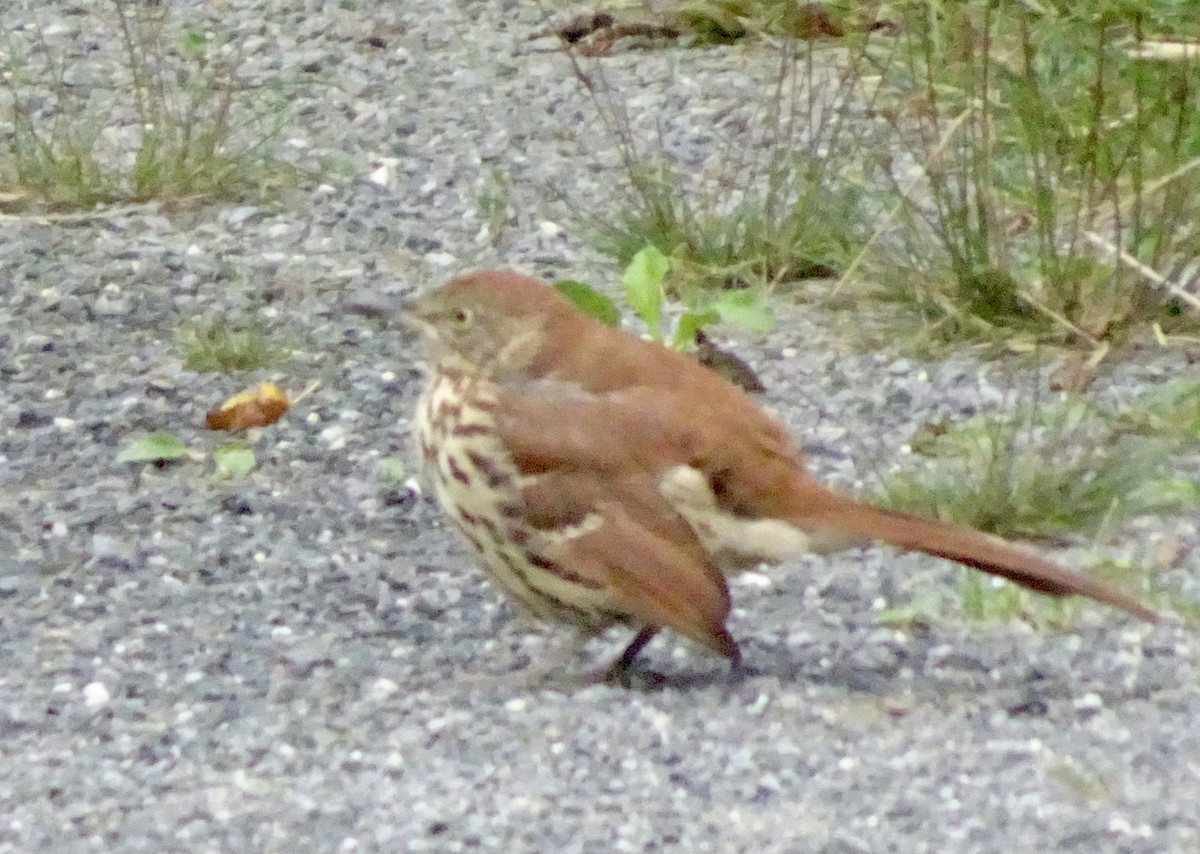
(621, 670)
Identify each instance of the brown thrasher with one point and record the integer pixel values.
(604, 480)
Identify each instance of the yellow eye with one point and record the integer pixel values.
(461, 318)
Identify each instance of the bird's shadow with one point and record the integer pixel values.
(762, 662)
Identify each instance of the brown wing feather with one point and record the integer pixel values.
(661, 581)
(649, 556)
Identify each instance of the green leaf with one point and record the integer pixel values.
(590, 301)
(902, 617)
(643, 287)
(391, 470)
(691, 322)
(191, 43)
(234, 460)
(152, 448)
(745, 309)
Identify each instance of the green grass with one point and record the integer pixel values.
(792, 228)
(1171, 410)
(979, 598)
(1043, 148)
(772, 207)
(1011, 174)
(494, 201)
(220, 346)
(173, 123)
(1064, 470)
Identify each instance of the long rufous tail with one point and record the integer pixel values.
(972, 548)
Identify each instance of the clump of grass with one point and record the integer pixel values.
(1078, 778)
(1036, 476)
(173, 121)
(773, 209)
(1051, 190)
(1172, 410)
(220, 346)
(494, 199)
(795, 228)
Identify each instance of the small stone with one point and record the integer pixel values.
(28, 419)
(240, 214)
(383, 171)
(383, 689)
(108, 547)
(1089, 705)
(96, 695)
(334, 436)
(111, 307)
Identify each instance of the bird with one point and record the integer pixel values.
(604, 480)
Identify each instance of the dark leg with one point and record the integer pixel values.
(620, 669)
(737, 669)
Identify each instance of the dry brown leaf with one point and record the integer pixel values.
(257, 407)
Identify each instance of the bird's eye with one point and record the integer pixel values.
(461, 317)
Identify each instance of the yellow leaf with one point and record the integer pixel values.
(257, 407)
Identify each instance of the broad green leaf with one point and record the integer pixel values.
(153, 447)
(234, 460)
(691, 322)
(590, 301)
(643, 287)
(745, 309)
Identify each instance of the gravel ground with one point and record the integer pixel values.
(304, 660)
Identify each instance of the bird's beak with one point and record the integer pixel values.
(412, 312)
(377, 306)
(417, 313)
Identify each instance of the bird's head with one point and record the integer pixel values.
(495, 320)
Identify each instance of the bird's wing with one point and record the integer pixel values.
(578, 456)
